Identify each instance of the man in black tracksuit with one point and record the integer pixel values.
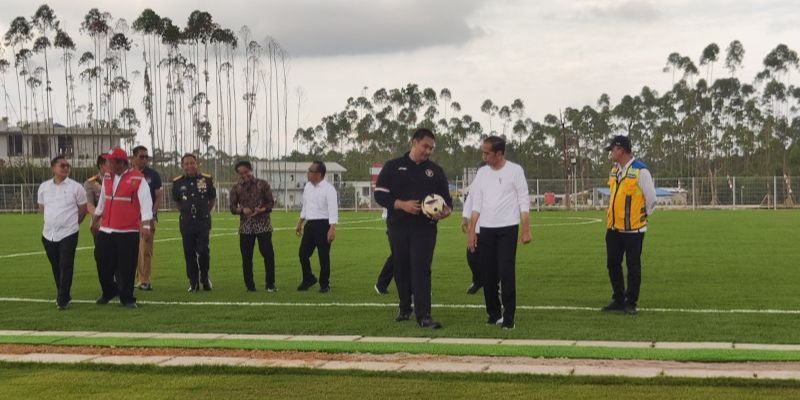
(402, 185)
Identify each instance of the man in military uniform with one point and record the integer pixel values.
(194, 193)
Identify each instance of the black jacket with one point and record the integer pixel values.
(403, 179)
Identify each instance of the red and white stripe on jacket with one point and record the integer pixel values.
(122, 211)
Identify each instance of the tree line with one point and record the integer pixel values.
(705, 125)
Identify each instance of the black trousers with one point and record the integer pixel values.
(246, 245)
(387, 272)
(196, 254)
(629, 245)
(61, 255)
(498, 253)
(474, 262)
(119, 255)
(412, 248)
(315, 235)
(97, 262)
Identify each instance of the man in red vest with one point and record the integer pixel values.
(123, 213)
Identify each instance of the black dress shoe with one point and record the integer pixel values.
(102, 300)
(324, 289)
(614, 307)
(474, 288)
(403, 316)
(305, 285)
(429, 323)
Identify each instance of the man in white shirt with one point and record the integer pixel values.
(320, 214)
(63, 202)
(633, 199)
(123, 215)
(500, 199)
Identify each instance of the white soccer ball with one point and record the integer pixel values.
(432, 205)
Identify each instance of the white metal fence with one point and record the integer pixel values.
(581, 194)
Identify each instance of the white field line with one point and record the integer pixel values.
(379, 305)
(234, 231)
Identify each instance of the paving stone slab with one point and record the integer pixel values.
(707, 373)
(530, 369)
(633, 372)
(605, 343)
(534, 342)
(10, 357)
(465, 341)
(256, 337)
(138, 360)
(362, 365)
(189, 335)
(192, 360)
(279, 363)
(444, 367)
(382, 339)
(319, 338)
(15, 333)
(257, 362)
(132, 335)
(692, 345)
(63, 333)
(756, 346)
(795, 375)
(56, 358)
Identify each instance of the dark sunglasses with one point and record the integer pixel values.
(64, 166)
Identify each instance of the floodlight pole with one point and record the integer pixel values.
(566, 161)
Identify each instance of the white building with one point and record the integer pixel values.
(287, 178)
(38, 143)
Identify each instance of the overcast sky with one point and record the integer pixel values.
(551, 54)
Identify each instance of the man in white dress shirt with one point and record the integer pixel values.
(63, 202)
(320, 214)
(500, 199)
(124, 213)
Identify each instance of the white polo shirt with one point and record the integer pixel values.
(61, 202)
(500, 195)
(320, 202)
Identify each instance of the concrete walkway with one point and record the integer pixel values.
(388, 339)
(416, 363)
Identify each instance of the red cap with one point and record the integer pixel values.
(116, 154)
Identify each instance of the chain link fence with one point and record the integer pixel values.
(546, 194)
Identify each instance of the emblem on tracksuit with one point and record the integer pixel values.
(429, 173)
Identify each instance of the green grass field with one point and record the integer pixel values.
(137, 382)
(709, 260)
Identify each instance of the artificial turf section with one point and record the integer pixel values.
(710, 260)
